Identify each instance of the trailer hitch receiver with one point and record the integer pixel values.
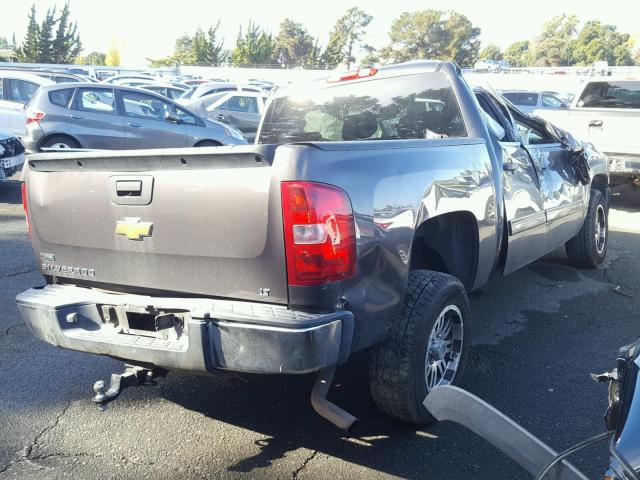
(133, 376)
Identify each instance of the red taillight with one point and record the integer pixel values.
(25, 205)
(319, 233)
(34, 116)
(354, 75)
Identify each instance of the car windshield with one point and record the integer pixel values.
(420, 106)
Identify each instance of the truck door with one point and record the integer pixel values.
(563, 196)
(610, 113)
(524, 208)
(523, 204)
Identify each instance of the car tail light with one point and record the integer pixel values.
(319, 233)
(25, 205)
(354, 75)
(34, 116)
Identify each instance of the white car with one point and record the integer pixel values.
(606, 112)
(11, 154)
(240, 109)
(16, 90)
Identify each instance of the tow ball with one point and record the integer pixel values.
(133, 376)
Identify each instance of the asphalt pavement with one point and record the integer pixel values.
(538, 334)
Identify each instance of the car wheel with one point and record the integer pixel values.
(426, 348)
(589, 247)
(60, 142)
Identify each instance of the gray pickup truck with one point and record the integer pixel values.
(369, 206)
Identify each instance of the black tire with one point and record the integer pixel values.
(60, 140)
(397, 366)
(589, 247)
(208, 143)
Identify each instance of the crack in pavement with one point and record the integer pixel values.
(611, 266)
(306, 462)
(11, 327)
(21, 272)
(25, 454)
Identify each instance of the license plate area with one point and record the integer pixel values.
(165, 323)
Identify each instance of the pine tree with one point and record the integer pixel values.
(66, 44)
(28, 51)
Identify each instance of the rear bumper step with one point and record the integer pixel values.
(214, 334)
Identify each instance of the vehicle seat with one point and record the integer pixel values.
(360, 126)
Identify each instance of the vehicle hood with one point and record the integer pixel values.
(4, 134)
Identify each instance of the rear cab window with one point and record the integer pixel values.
(61, 97)
(419, 106)
(611, 94)
(527, 99)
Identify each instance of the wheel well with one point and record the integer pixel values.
(600, 182)
(51, 135)
(448, 243)
(212, 143)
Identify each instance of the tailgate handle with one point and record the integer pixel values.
(129, 188)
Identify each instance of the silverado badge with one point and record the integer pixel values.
(133, 228)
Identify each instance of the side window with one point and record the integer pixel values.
(527, 99)
(145, 106)
(532, 135)
(61, 97)
(20, 90)
(620, 94)
(549, 101)
(174, 92)
(97, 100)
(185, 117)
(242, 104)
(511, 96)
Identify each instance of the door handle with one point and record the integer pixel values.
(76, 117)
(220, 117)
(134, 125)
(595, 123)
(509, 166)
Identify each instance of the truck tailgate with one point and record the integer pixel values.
(203, 221)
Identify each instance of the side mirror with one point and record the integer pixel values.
(171, 118)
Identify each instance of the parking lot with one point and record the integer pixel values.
(537, 336)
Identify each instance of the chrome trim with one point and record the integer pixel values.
(563, 210)
(525, 223)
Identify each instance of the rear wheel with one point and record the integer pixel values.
(427, 346)
(60, 142)
(589, 247)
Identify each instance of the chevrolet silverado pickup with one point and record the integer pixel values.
(369, 206)
(606, 112)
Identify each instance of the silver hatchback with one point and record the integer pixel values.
(95, 116)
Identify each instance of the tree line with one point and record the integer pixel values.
(434, 34)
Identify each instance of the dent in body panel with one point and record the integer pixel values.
(391, 199)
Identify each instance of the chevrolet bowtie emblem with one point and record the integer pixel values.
(133, 228)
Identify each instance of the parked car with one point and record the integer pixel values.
(369, 206)
(11, 154)
(98, 116)
(168, 90)
(57, 77)
(242, 110)
(117, 79)
(607, 114)
(487, 65)
(16, 90)
(210, 88)
(196, 81)
(529, 101)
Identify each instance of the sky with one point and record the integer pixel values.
(148, 28)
